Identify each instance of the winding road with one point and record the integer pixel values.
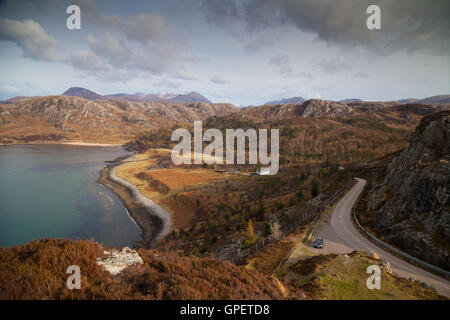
(341, 236)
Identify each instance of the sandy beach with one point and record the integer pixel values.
(154, 221)
(159, 211)
(90, 144)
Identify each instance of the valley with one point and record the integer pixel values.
(227, 212)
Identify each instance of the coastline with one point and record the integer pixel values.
(153, 220)
(91, 144)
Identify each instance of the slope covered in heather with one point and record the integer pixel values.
(37, 270)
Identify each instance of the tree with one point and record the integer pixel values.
(276, 230)
(250, 236)
(315, 189)
(299, 195)
(260, 212)
(267, 229)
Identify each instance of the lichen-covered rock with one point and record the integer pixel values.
(117, 260)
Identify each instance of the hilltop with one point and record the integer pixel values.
(445, 99)
(138, 97)
(83, 93)
(287, 100)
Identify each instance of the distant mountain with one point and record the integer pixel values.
(349, 100)
(436, 99)
(141, 97)
(138, 97)
(82, 93)
(190, 97)
(292, 100)
(410, 100)
(428, 100)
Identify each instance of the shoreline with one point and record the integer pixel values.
(153, 220)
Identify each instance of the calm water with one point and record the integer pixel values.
(51, 191)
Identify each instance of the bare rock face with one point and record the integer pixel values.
(318, 108)
(412, 205)
(117, 260)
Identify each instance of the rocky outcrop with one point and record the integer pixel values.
(117, 260)
(411, 206)
(319, 108)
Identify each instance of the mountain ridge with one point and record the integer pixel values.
(443, 98)
(73, 118)
(137, 97)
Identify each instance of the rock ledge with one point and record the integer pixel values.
(117, 260)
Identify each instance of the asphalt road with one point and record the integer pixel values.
(341, 236)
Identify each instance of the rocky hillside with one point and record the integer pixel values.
(390, 113)
(137, 97)
(409, 203)
(320, 130)
(67, 118)
(442, 99)
(73, 118)
(37, 270)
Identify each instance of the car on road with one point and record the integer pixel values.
(318, 243)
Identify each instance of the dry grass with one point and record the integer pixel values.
(177, 179)
(268, 258)
(344, 277)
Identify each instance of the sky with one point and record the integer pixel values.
(241, 52)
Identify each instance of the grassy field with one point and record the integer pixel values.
(179, 179)
(169, 187)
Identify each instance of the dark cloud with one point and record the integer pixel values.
(406, 24)
(221, 12)
(162, 50)
(158, 48)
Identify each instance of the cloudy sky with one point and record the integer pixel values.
(243, 52)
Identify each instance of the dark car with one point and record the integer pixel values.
(318, 243)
